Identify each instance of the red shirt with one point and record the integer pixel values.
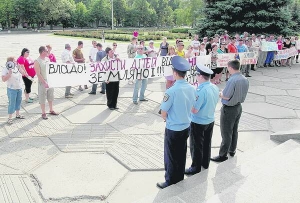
(231, 48)
(28, 65)
(279, 44)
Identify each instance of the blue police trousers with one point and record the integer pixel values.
(175, 146)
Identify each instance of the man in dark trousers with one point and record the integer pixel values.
(232, 96)
(112, 87)
(203, 117)
(176, 111)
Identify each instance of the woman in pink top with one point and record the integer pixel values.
(51, 55)
(27, 64)
(280, 46)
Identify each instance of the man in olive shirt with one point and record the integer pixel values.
(78, 57)
(232, 96)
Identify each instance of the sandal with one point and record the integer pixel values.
(20, 116)
(44, 116)
(29, 101)
(10, 121)
(54, 113)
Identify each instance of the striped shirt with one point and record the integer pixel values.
(236, 90)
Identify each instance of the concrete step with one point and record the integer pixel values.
(190, 190)
(214, 169)
(276, 182)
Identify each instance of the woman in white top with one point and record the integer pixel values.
(13, 77)
(202, 51)
(151, 50)
(189, 52)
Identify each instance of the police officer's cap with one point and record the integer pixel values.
(180, 63)
(203, 70)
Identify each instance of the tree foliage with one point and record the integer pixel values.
(264, 16)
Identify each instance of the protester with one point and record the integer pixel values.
(140, 51)
(189, 52)
(44, 92)
(93, 52)
(286, 45)
(12, 75)
(66, 57)
(221, 50)
(78, 57)
(115, 45)
(242, 48)
(151, 49)
(145, 49)
(196, 45)
(231, 49)
(27, 65)
(99, 56)
(180, 49)
(213, 65)
(112, 87)
(131, 52)
(279, 43)
(270, 54)
(50, 54)
(262, 55)
(163, 47)
(298, 48)
(202, 51)
(203, 117)
(208, 46)
(232, 96)
(170, 79)
(176, 111)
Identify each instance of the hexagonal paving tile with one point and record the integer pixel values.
(281, 85)
(285, 101)
(255, 82)
(84, 114)
(265, 78)
(248, 122)
(59, 105)
(128, 92)
(268, 110)
(26, 154)
(85, 99)
(254, 98)
(76, 176)
(140, 152)
(294, 93)
(280, 75)
(138, 123)
(126, 106)
(263, 90)
(292, 80)
(3, 100)
(86, 138)
(278, 125)
(34, 125)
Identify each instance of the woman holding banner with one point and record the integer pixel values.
(112, 87)
(286, 45)
(27, 64)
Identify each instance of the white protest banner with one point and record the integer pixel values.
(191, 74)
(269, 46)
(223, 59)
(286, 53)
(298, 44)
(248, 58)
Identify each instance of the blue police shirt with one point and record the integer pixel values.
(206, 102)
(178, 102)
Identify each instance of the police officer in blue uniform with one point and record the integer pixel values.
(176, 111)
(203, 117)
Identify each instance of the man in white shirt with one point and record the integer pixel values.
(196, 45)
(66, 57)
(93, 52)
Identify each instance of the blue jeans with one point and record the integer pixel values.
(137, 87)
(270, 57)
(103, 87)
(14, 99)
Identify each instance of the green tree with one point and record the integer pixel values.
(6, 11)
(120, 8)
(30, 11)
(265, 16)
(142, 14)
(57, 10)
(100, 11)
(80, 15)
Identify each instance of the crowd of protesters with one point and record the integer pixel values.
(213, 46)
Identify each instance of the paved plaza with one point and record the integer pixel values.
(92, 154)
